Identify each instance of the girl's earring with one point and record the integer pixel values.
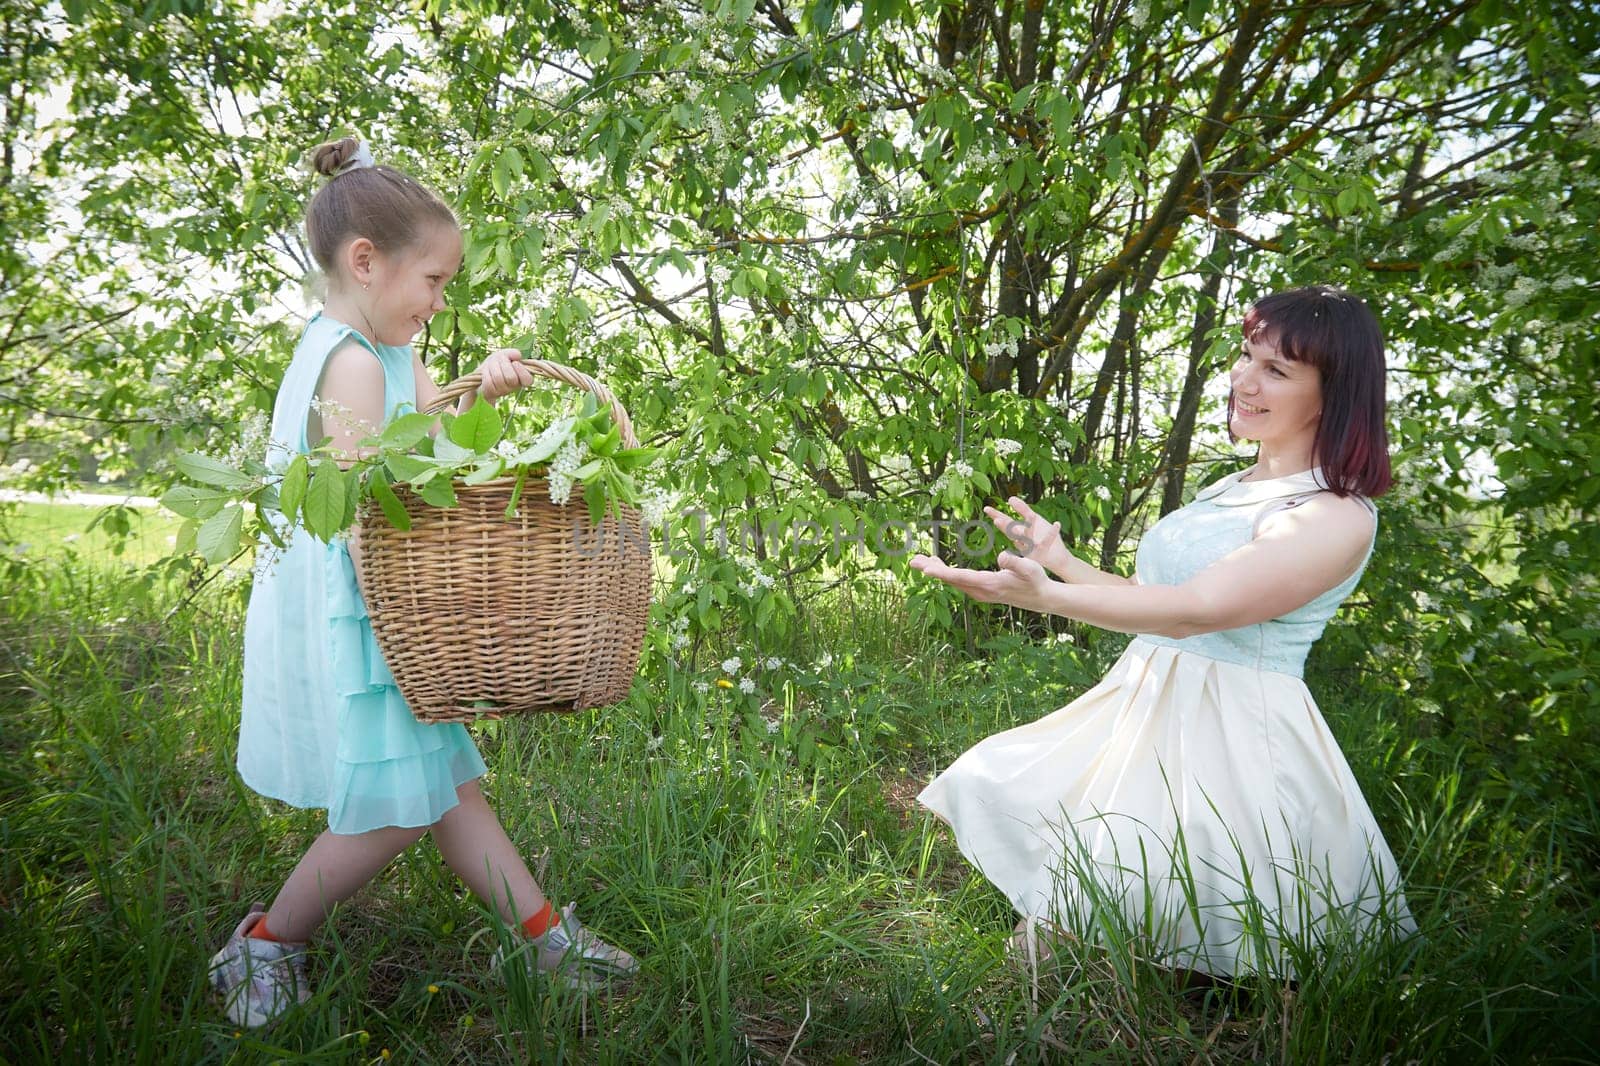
(367, 286)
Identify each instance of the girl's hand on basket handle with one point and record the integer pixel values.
(503, 373)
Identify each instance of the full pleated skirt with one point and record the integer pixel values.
(323, 724)
(1202, 804)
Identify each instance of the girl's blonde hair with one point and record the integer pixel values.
(389, 208)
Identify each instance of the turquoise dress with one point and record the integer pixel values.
(322, 723)
(1196, 788)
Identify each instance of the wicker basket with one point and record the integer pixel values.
(483, 616)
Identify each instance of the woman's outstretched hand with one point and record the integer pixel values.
(1031, 535)
(503, 373)
(1015, 581)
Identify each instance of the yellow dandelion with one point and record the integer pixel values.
(433, 990)
(723, 682)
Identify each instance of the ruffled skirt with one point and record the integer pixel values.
(1205, 801)
(323, 724)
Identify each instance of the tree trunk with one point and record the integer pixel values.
(1176, 460)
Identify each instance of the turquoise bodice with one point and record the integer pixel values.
(1224, 517)
(322, 336)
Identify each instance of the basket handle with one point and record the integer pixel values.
(468, 383)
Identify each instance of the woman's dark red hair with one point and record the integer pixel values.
(1338, 334)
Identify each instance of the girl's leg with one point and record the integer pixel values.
(331, 871)
(475, 846)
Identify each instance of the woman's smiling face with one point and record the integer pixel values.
(1274, 400)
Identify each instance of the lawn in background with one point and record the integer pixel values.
(54, 529)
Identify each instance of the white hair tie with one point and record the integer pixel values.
(362, 158)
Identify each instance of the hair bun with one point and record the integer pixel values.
(335, 157)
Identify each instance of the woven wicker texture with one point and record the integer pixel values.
(483, 616)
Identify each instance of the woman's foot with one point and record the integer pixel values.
(1035, 941)
(258, 979)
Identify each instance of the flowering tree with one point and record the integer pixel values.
(863, 270)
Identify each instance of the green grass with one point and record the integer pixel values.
(52, 530)
(788, 900)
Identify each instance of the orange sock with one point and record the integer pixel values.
(539, 923)
(259, 931)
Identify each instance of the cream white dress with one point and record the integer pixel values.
(1196, 789)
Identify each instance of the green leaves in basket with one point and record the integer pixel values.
(438, 492)
(185, 542)
(597, 506)
(195, 502)
(351, 480)
(631, 459)
(410, 469)
(447, 450)
(209, 471)
(292, 492)
(218, 536)
(322, 490)
(326, 498)
(393, 509)
(609, 443)
(540, 451)
(516, 494)
(608, 485)
(477, 430)
(405, 432)
(487, 470)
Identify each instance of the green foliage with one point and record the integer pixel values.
(852, 247)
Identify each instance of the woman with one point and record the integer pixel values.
(1197, 788)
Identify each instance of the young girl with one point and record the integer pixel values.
(323, 724)
(1197, 788)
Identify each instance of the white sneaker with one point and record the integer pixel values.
(258, 979)
(573, 955)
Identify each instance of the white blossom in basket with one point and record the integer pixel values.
(564, 469)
